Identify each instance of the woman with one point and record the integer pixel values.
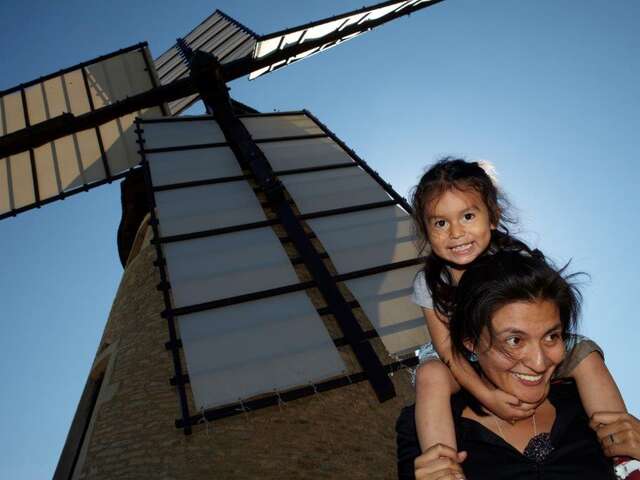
(512, 313)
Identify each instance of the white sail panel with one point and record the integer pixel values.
(21, 180)
(5, 197)
(331, 189)
(304, 153)
(182, 133)
(211, 268)
(276, 126)
(195, 209)
(366, 239)
(49, 179)
(234, 353)
(191, 165)
(385, 298)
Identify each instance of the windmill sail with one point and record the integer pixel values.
(226, 256)
(72, 130)
(279, 49)
(84, 159)
(218, 34)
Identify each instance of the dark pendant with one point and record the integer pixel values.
(539, 447)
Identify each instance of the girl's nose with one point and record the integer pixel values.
(456, 230)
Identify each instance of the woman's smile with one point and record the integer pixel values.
(523, 350)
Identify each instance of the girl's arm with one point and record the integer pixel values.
(598, 391)
(500, 403)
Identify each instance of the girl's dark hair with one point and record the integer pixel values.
(455, 173)
(503, 278)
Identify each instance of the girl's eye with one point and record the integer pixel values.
(469, 216)
(440, 223)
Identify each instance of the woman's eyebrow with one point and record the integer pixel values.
(522, 332)
(554, 328)
(512, 330)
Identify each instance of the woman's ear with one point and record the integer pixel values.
(473, 356)
(469, 345)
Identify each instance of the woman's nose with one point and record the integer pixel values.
(537, 359)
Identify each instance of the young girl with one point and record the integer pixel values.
(460, 214)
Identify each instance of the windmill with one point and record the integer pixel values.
(76, 129)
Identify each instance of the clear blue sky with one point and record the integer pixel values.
(547, 90)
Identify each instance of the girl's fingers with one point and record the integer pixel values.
(449, 475)
(605, 418)
(627, 447)
(436, 452)
(439, 462)
(440, 473)
(605, 432)
(443, 475)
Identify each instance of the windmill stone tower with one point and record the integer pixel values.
(263, 308)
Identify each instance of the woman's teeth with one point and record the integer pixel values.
(528, 378)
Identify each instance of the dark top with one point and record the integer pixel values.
(576, 452)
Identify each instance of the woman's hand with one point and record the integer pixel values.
(618, 432)
(506, 406)
(440, 463)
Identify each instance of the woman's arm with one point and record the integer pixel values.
(500, 403)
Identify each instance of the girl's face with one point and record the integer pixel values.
(458, 226)
(524, 351)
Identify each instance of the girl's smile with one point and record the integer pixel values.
(458, 226)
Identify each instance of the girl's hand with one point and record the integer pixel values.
(506, 406)
(440, 463)
(618, 432)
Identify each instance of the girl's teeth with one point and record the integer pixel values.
(461, 247)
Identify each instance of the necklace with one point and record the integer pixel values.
(533, 421)
(538, 448)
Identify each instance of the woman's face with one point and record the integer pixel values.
(526, 348)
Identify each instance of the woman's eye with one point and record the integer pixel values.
(553, 337)
(513, 341)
